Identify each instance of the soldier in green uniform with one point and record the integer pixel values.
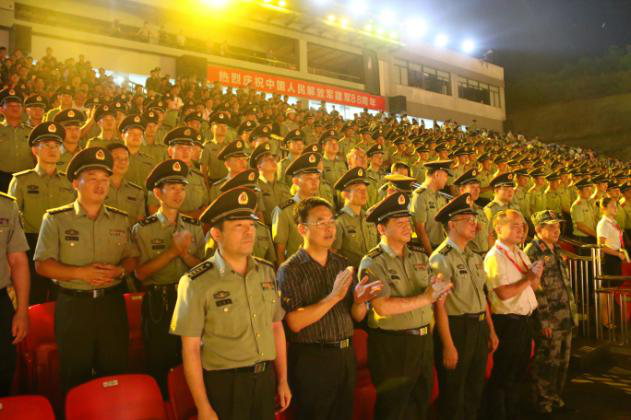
(229, 313)
(180, 142)
(71, 120)
(263, 134)
(556, 316)
(426, 201)
(503, 188)
(521, 197)
(418, 168)
(469, 183)
(124, 194)
(157, 151)
(86, 247)
(37, 190)
(374, 173)
(213, 168)
(35, 106)
(295, 142)
(234, 156)
(584, 213)
(64, 97)
(140, 164)
(169, 244)
(485, 175)
(464, 332)
(536, 194)
(400, 350)
(613, 191)
(601, 189)
(354, 235)
(273, 192)
(334, 166)
(553, 195)
(290, 124)
(105, 118)
(14, 271)
(306, 176)
(243, 133)
(14, 149)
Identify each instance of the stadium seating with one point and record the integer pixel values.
(121, 397)
(180, 399)
(133, 303)
(365, 393)
(26, 407)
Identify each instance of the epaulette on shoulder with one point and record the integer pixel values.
(286, 204)
(444, 194)
(61, 209)
(200, 269)
(7, 196)
(218, 182)
(131, 184)
(149, 220)
(195, 171)
(117, 211)
(28, 171)
(190, 220)
(420, 189)
(263, 261)
(416, 248)
(62, 173)
(375, 252)
(446, 250)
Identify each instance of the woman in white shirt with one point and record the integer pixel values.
(609, 236)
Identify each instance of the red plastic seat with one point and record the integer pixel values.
(365, 393)
(180, 398)
(121, 397)
(133, 304)
(26, 407)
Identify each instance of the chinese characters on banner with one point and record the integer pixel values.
(292, 87)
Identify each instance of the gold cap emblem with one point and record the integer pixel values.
(100, 154)
(52, 128)
(474, 173)
(71, 113)
(510, 176)
(187, 132)
(251, 176)
(360, 172)
(267, 146)
(118, 104)
(136, 119)
(243, 198)
(11, 92)
(297, 132)
(152, 114)
(239, 145)
(401, 200)
(177, 167)
(312, 158)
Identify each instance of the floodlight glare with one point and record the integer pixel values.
(468, 46)
(344, 23)
(387, 16)
(441, 40)
(358, 7)
(415, 27)
(331, 18)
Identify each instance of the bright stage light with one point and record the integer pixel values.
(358, 7)
(216, 3)
(441, 40)
(468, 46)
(282, 3)
(368, 27)
(321, 3)
(331, 18)
(415, 27)
(344, 23)
(379, 31)
(387, 17)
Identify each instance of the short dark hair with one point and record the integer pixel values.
(302, 209)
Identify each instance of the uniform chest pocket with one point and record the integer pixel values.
(476, 271)
(228, 317)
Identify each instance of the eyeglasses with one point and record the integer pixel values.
(322, 224)
(466, 219)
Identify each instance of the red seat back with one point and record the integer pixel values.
(26, 407)
(41, 332)
(180, 396)
(360, 344)
(121, 397)
(133, 304)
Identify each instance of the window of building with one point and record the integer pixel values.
(477, 91)
(422, 77)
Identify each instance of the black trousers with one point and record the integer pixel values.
(7, 349)
(163, 350)
(238, 395)
(322, 381)
(401, 368)
(461, 388)
(92, 335)
(510, 367)
(5, 180)
(42, 288)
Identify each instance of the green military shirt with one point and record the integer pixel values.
(197, 195)
(280, 172)
(284, 227)
(287, 126)
(419, 171)
(485, 178)
(333, 170)
(263, 244)
(521, 201)
(424, 205)
(140, 165)
(553, 200)
(101, 142)
(161, 132)
(480, 244)
(15, 152)
(584, 211)
(621, 216)
(494, 207)
(36, 192)
(346, 144)
(354, 236)
(64, 159)
(12, 237)
(209, 158)
(537, 200)
(273, 193)
(465, 270)
(154, 235)
(326, 191)
(375, 181)
(71, 238)
(130, 198)
(231, 313)
(401, 277)
(157, 152)
(568, 196)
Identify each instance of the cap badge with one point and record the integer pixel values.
(239, 145)
(177, 167)
(243, 198)
(52, 128)
(360, 172)
(474, 173)
(136, 119)
(100, 154)
(401, 200)
(118, 104)
(11, 92)
(152, 114)
(251, 176)
(267, 147)
(297, 132)
(312, 158)
(510, 176)
(71, 113)
(187, 132)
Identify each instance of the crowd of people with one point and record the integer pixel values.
(263, 233)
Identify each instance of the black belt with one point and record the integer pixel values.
(92, 294)
(256, 368)
(161, 287)
(342, 344)
(512, 316)
(480, 316)
(420, 331)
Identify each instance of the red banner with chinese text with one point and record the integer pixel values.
(293, 87)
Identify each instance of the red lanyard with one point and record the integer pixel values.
(617, 227)
(521, 269)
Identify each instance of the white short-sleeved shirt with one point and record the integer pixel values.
(608, 228)
(500, 271)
